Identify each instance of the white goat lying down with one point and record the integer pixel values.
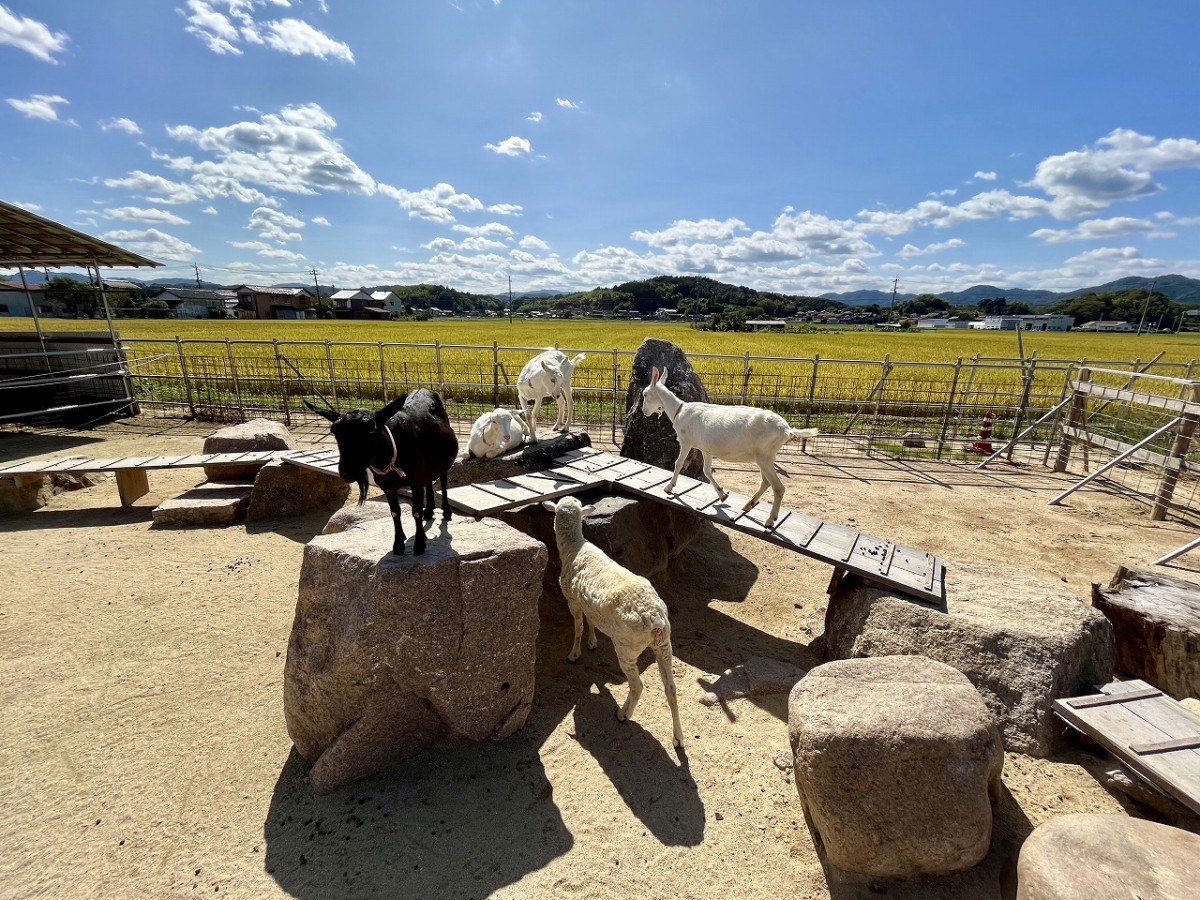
(621, 604)
(731, 433)
(548, 375)
(496, 432)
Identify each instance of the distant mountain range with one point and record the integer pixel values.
(1179, 288)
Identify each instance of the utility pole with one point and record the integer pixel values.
(316, 285)
(1146, 305)
(509, 299)
(197, 268)
(892, 305)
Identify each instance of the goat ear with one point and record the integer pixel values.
(549, 506)
(654, 375)
(663, 377)
(549, 368)
(587, 510)
(329, 414)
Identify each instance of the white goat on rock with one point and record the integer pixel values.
(548, 375)
(496, 432)
(731, 433)
(621, 604)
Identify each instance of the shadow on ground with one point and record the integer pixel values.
(15, 445)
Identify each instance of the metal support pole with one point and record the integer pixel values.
(437, 358)
(237, 384)
(949, 407)
(812, 390)
(1119, 458)
(37, 320)
(1190, 545)
(1018, 417)
(287, 413)
(1060, 405)
(495, 374)
(616, 394)
(332, 376)
(1179, 450)
(746, 370)
(1074, 417)
(383, 374)
(187, 382)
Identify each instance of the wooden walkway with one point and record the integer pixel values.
(132, 481)
(912, 571)
(1157, 737)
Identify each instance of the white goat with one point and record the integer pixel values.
(496, 432)
(621, 604)
(731, 433)
(548, 375)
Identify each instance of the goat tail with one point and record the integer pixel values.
(801, 434)
(577, 359)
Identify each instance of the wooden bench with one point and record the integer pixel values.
(132, 480)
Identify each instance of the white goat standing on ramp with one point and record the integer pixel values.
(732, 433)
(623, 605)
(548, 375)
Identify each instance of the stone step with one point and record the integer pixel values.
(206, 504)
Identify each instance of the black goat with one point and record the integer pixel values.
(408, 443)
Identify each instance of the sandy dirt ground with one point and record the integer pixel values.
(144, 750)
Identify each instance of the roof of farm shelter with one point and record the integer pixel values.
(27, 239)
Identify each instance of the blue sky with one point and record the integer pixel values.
(795, 146)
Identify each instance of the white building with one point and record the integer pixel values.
(1107, 326)
(387, 300)
(936, 322)
(1045, 322)
(766, 324)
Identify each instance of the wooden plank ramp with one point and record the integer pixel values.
(906, 569)
(1154, 735)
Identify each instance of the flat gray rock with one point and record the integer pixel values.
(254, 436)
(204, 505)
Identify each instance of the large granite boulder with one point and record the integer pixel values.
(641, 535)
(391, 654)
(283, 489)
(249, 437)
(1156, 626)
(1087, 856)
(518, 461)
(1023, 642)
(897, 763)
(651, 439)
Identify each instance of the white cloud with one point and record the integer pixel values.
(479, 244)
(490, 228)
(298, 38)
(122, 124)
(209, 210)
(945, 192)
(432, 204)
(30, 35)
(534, 117)
(40, 106)
(224, 24)
(273, 224)
(566, 104)
(682, 231)
(154, 187)
(909, 250)
(985, 176)
(1098, 229)
(529, 242)
(319, 220)
(155, 244)
(137, 214)
(506, 209)
(268, 251)
(32, 207)
(513, 146)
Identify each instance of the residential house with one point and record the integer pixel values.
(196, 303)
(1044, 322)
(766, 324)
(1107, 326)
(360, 305)
(942, 322)
(14, 302)
(257, 301)
(387, 300)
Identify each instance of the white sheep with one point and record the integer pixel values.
(496, 432)
(621, 604)
(731, 433)
(548, 375)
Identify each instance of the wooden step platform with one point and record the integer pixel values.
(1154, 735)
(907, 569)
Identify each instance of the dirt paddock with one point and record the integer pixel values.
(145, 755)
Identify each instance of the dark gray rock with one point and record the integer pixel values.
(35, 492)
(651, 439)
(282, 489)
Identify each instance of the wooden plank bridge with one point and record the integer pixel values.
(906, 569)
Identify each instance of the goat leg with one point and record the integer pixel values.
(429, 502)
(628, 662)
(419, 540)
(398, 541)
(446, 511)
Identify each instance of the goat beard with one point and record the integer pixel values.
(362, 490)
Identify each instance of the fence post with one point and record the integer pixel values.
(1191, 366)
(616, 395)
(1074, 417)
(495, 374)
(746, 370)
(883, 376)
(383, 374)
(1179, 449)
(187, 382)
(237, 385)
(949, 406)
(1019, 416)
(437, 358)
(812, 390)
(332, 377)
(287, 413)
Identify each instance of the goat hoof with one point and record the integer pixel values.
(398, 550)
(621, 715)
(747, 507)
